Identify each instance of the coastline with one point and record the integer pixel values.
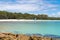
(24, 20)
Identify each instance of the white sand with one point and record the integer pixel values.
(24, 20)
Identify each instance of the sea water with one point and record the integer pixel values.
(31, 27)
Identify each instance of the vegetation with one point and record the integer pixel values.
(11, 15)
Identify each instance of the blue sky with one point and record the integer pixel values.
(49, 7)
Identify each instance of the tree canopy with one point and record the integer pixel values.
(11, 15)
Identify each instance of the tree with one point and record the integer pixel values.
(42, 16)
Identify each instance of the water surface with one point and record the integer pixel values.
(31, 27)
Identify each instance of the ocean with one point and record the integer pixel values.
(31, 27)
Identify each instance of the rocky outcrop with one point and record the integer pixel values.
(10, 36)
(23, 37)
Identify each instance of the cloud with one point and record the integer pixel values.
(24, 7)
(30, 6)
(27, 1)
(55, 14)
(21, 5)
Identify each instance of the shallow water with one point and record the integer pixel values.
(31, 27)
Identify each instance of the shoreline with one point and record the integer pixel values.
(24, 20)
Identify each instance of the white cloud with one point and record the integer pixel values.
(38, 5)
(27, 6)
(26, 1)
(24, 7)
(55, 14)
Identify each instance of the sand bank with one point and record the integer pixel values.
(24, 20)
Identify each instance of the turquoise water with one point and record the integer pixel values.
(38, 27)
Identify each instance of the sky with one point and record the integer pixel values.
(49, 7)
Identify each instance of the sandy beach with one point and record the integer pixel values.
(24, 20)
